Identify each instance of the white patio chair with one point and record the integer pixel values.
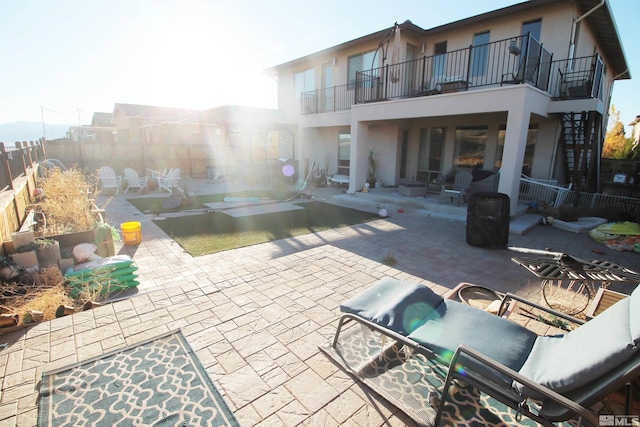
(135, 181)
(109, 180)
(170, 181)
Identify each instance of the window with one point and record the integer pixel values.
(305, 81)
(430, 154)
(359, 63)
(532, 138)
(344, 153)
(533, 27)
(480, 54)
(470, 146)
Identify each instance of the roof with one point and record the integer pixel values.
(601, 20)
(102, 120)
(149, 111)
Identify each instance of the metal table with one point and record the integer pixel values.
(568, 282)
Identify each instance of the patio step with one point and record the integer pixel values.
(376, 199)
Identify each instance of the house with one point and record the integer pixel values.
(101, 129)
(522, 89)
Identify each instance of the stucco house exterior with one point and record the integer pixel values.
(522, 89)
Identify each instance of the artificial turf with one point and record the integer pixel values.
(214, 231)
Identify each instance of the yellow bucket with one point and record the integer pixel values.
(131, 233)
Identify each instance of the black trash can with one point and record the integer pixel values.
(488, 216)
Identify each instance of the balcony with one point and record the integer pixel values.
(510, 61)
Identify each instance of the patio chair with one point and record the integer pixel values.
(109, 180)
(169, 181)
(461, 182)
(135, 181)
(566, 374)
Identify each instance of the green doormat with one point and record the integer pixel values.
(159, 382)
(406, 383)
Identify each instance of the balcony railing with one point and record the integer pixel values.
(510, 61)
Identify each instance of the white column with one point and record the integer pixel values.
(359, 162)
(515, 143)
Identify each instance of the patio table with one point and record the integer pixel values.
(568, 282)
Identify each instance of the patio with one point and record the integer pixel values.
(255, 316)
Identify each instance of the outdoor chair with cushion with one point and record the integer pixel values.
(135, 181)
(565, 374)
(459, 188)
(109, 180)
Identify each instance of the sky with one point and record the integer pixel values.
(63, 60)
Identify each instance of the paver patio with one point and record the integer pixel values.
(256, 315)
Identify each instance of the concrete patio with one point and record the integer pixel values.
(256, 315)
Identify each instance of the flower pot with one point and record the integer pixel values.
(22, 238)
(27, 259)
(48, 254)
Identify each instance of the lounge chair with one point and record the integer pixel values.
(170, 181)
(461, 183)
(567, 373)
(109, 180)
(135, 181)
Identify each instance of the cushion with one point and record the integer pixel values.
(634, 315)
(565, 362)
(454, 323)
(396, 305)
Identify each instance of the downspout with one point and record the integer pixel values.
(572, 40)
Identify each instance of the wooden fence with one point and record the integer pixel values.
(194, 160)
(18, 173)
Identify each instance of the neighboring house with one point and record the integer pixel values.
(102, 130)
(522, 89)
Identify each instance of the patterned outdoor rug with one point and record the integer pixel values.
(407, 383)
(159, 382)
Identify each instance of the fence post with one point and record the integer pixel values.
(5, 165)
(22, 155)
(28, 152)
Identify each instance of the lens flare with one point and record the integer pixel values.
(288, 170)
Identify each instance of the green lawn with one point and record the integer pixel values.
(215, 231)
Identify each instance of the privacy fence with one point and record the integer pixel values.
(18, 175)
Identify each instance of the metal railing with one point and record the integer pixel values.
(514, 60)
(542, 191)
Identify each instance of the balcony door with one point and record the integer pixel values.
(327, 77)
(439, 63)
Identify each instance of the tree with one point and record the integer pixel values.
(616, 144)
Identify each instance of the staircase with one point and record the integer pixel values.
(580, 140)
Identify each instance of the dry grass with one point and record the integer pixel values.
(45, 295)
(67, 204)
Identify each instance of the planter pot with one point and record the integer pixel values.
(26, 259)
(22, 238)
(48, 255)
(101, 238)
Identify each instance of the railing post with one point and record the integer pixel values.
(466, 78)
(356, 90)
(5, 164)
(385, 82)
(424, 75)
